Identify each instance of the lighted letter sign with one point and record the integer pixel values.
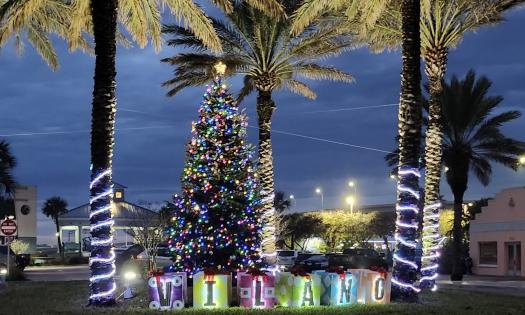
(256, 291)
(375, 287)
(338, 288)
(167, 291)
(211, 291)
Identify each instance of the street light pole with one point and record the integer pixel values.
(319, 191)
(350, 200)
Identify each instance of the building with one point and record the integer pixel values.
(74, 224)
(23, 208)
(497, 235)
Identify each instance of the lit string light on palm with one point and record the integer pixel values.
(102, 259)
(407, 209)
(431, 246)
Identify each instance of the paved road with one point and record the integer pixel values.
(57, 273)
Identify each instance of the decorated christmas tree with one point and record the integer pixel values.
(215, 223)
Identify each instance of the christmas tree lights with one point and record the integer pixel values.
(215, 223)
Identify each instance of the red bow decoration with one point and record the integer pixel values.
(381, 270)
(212, 271)
(339, 270)
(156, 273)
(299, 271)
(254, 272)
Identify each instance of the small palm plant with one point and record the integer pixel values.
(262, 50)
(53, 208)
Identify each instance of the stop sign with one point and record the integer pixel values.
(8, 228)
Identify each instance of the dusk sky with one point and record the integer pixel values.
(46, 118)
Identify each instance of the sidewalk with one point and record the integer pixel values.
(503, 285)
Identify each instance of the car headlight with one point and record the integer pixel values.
(130, 275)
(3, 271)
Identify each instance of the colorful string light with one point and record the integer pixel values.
(216, 220)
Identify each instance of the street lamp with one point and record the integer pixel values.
(320, 192)
(352, 184)
(350, 200)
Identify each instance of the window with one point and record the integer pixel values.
(488, 253)
(118, 195)
(25, 209)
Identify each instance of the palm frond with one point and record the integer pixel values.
(310, 10)
(43, 45)
(272, 8)
(195, 19)
(317, 72)
(247, 88)
(299, 88)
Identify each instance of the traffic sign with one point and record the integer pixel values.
(8, 228)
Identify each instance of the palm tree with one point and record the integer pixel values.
(409, 132)
(7, 163)
(368, 14)
(472, 141)
(53, 208)
(443, 24)
(263, 51)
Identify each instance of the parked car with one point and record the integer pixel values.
(286, 258)
(314, 262)
(365, 258)
(163, 258)
(303, 256)
(140, 257)
(340, 261)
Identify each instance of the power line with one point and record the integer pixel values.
(47, 133)
(350, 108)
(325, 140)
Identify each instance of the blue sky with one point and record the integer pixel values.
(153, 129)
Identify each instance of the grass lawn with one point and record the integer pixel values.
(70, 298)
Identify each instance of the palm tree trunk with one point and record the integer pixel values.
(265, 109)
(457, 178)
(435, 66)
(60, 248)
(102, 287)
(409, 129)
